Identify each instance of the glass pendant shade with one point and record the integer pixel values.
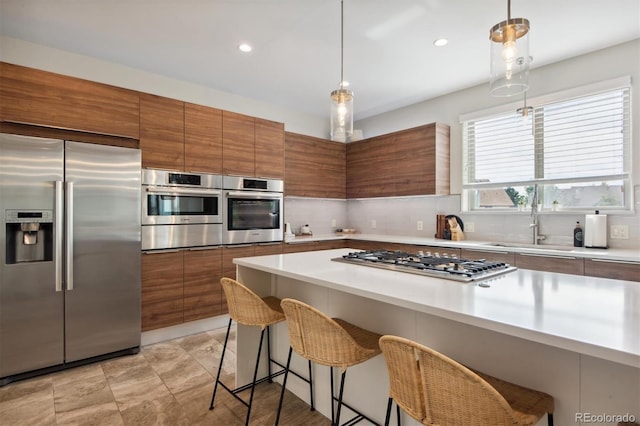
(341, 114)
(510, 58)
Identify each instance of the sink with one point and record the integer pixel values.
(532, 246)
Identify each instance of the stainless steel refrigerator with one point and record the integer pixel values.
(69, 253)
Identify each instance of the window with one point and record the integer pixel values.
(573, 152)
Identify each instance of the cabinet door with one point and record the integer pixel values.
(314, 167)
(161, 132)
(267, 249)
(202, 139)
(47, 99)
(493, 256)
(619, 270)
(162, 290)
(409, 162)
(269, 150)
(202, 289)
(238, 144)
(562, 264)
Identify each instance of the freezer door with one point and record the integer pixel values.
(102, 309)
(31, 310)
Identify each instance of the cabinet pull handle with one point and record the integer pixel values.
(239, 245)
(269, 244)
(626, 262)
(489, 251)
(204, 248)
(161, 251)
(548, 257)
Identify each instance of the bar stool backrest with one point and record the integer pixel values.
(319, 338)
(245, 306)
(437, 390)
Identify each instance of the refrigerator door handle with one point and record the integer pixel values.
(69, 235)
(59, 218)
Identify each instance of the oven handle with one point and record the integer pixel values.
(254, 195)
(164, 191)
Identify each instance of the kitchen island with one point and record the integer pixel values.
(574, 337)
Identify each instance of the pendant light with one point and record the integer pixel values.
(526, 112)
(342, 98)
(510, 56)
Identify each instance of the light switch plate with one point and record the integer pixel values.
(619, 232)
(469, 227)
(420, 225)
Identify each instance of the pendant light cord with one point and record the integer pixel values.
(341, 44)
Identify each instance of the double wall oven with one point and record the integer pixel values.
(180, 209)
(252, 210)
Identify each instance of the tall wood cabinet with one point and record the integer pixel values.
(41, 98)
(314, 167)
(408, 162)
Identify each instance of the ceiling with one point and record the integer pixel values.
(389, 56)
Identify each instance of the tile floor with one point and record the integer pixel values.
(167, 383)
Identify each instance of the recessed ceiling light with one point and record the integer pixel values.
(440, 42)
(245, 47)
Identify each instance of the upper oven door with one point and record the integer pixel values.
(247, 210)
(169, 206)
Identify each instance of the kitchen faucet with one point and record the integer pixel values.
(534, 217)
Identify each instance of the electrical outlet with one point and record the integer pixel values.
(619, 232)
(333, 223)
(469, 227)
(420, 225)
(373, 223)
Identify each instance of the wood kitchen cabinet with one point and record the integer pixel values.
(238, 144)
(616, 269)
(202, 288)
(180, 286)
(538, 262)
(314, 167)
(408, 162)
(202, 139)
(162, 289)
(252, 146)
(269, 149)
(161, 132)
(41, 98)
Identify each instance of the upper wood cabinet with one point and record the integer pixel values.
(161, 132)
(314, 167)
(202, 139)
(238, 149)
(42, 98)
(269, 149)
(408, 162)
(252, 146)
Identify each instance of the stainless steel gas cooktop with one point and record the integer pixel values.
(427, 264)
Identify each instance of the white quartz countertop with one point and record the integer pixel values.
(593, 316)
(628, 255)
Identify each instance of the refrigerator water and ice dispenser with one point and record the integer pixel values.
(29, 236)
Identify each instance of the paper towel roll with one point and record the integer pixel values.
(595, 230)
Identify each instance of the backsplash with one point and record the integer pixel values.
(400, 216)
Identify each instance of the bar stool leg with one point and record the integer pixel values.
(284, 384)
(224, 349)
(255, 375)
(344, 373)
(313, 408)
(269, 355)
(388, 415)
(333, 415)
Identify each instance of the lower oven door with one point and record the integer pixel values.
(156, 237)
(252, 217)
(169, 206)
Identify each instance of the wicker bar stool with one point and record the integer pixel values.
(330, 342)
(437, 390)
(247, 308)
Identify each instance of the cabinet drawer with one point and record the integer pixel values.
(561, 264)
(494, 256)
(619, 270)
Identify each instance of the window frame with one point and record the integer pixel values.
(469, 190)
